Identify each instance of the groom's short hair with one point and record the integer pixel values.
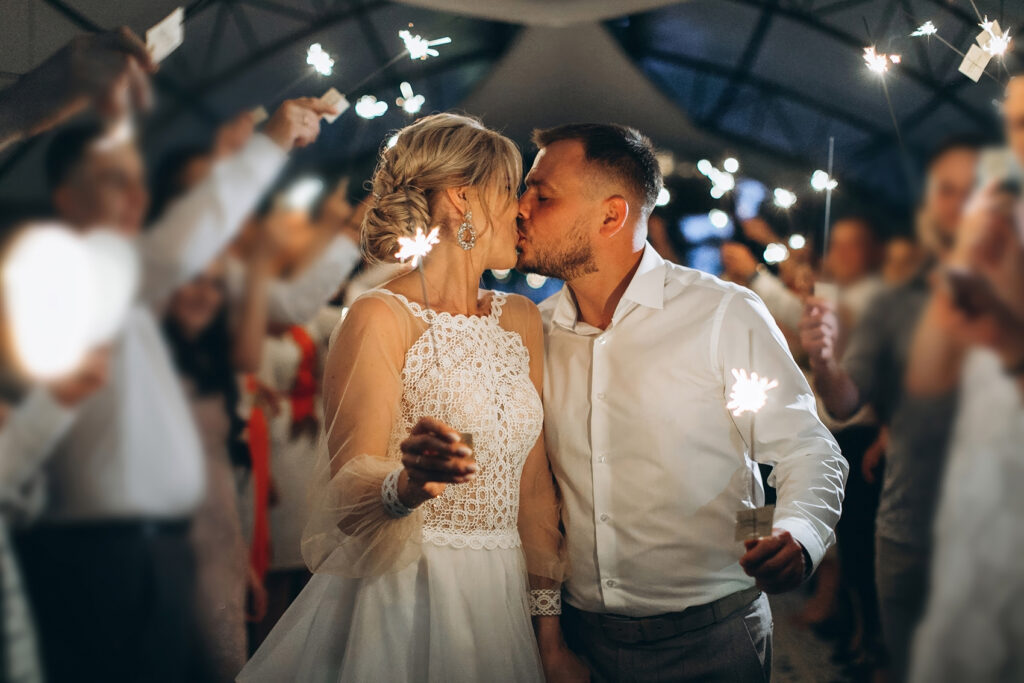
(621, 152)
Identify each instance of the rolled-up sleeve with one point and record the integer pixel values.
(809, 470)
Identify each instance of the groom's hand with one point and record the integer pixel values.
(776, 562)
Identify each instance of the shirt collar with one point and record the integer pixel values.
(647, 288)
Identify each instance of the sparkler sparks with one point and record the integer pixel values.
(419, 47)
(820, 180)
(925, 29)
(320, 60)
(410, 101)
(784, 199)
(878, 62)
(993, 39)
(417, 247)
(749, 392)
(369, 107)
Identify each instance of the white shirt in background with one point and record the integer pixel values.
(652, 466)
(297, 300)
(133, 451)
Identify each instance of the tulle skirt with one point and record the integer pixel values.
(456, 614)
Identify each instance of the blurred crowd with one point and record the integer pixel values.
(152, 500)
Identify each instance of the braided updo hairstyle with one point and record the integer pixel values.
(435, 153)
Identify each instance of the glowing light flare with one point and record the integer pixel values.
(704, 166)
(878, 62)
(392, 141)
(369, 107)
(797, 241)
(993, 39)
(718, 218)
(535, 281)
(749, 392)
(664, 197)
(730, 165)
(320, 60)
(410, 101)
(784, 199)
(417, 247)
(302, 194)
(775, 253)
(419, 47)
(925, 29)
(820, 180)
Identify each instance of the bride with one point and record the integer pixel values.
(429, 558)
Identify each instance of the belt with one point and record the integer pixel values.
(640, 629)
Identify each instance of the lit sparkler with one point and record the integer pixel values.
(993, 39)
(749, 392)
(369, 107)
(419, 47)
(417, 247)
(320, 60)
(925, 29)
(410, 101)
(878, 62)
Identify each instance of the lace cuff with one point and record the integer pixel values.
(389, 496)
(545, 603)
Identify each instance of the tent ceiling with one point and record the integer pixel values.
(769, 80)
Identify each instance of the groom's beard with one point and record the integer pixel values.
(572, 258)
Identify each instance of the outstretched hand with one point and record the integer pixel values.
(776, 562)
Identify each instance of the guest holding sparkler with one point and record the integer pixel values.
(872, 371)
(654, 467)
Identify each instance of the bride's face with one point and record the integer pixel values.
(501, 236)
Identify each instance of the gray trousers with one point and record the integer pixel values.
(901, 574)
(736, 649)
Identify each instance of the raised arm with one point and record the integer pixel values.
(809, 470)
(297, 300)
(199, 225)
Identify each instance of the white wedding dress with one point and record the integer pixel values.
(442, 594)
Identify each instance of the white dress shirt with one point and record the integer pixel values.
(298, 300)
(133, 450)
(651, 464)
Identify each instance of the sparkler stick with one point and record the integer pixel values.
(415, 249)
(828, 195)
(928, 30)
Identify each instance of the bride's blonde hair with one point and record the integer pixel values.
(435, 153)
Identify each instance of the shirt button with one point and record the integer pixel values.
(604, 517)
(611, 583)
(601, 396)
(602, 340)
(602, 459)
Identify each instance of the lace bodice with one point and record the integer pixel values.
(478, 382)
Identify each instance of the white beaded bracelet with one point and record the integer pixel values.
(389, 496)
(545, 603)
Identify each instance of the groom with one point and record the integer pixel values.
(652, 465)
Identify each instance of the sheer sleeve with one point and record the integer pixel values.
(350, 532)
(539, 501)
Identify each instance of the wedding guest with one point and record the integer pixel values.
(325, 263)
(292, 366)
(128, 474)
(652, 465)
(208, 351)
(108, 70)
(28, 434)
(971, 628)
(871, 371)
(903, 259)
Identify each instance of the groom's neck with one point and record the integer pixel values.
(598, 293)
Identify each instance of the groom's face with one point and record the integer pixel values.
(556, 214)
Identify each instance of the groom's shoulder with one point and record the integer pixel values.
(682, 280)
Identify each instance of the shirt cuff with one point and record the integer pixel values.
(804, 534)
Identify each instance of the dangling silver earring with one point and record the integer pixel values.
(469, 241)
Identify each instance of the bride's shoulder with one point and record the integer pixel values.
(374, 309)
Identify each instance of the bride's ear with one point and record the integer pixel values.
(458, 199)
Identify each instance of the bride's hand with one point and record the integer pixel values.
(434, 456)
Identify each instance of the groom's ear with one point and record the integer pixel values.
(616, 211)
(458, 199)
